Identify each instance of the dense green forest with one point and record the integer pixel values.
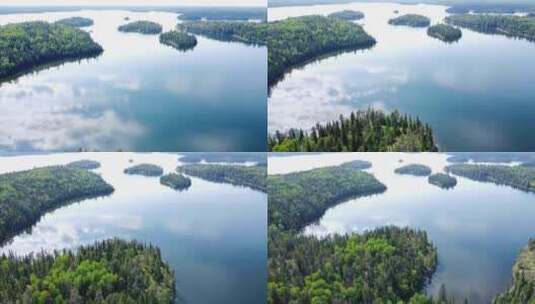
(519, 177)
(27, 195)
(442, 180)
(179, 40)
(294, 41)
(247, 32)
(296, 199)
(175, 181)
(253, 177)
(370, 130)
(414, 169)
(223, 157)
(513, 26)
(76, 21)
(412, 20)
(30, 44)
(144, 169)
(84, 164)
(444, 32)
(523, 288)
(223, 13)
(111, 271)
(492, 8)
(142, 27)
(347, 15)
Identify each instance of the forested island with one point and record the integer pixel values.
(223, 157)
(246, 32)
(110, 271)
(512, 26)
(411, 20)
(223, 13)
(347, 15)
(442, 180)
(27, 195)
(370, 130)
(142, 27)
(84, 164)
(175, 181)
(444, 32)
(145, 170)
(294, 41)
(76, 21)
(179, 40)
(43, 43)
(519, 177)
(414, 169)
(253, 177)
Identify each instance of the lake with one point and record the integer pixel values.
(477, 94)
(478, 228)
(139, 95)
(213, 235)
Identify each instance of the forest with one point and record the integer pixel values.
(370, 130)
(142, 27)
(246, 32)
(110, 271)
(413, 169)
(253, 177)
(519, 177)
(411, 20)
(444, 32)
(27, 195)
(76, 21)
(347, 15)
(512, 26)
(224, 157)
(179, 40)
(145, 170)
(175, 181)
(442, 180)
(30, 44)
(84, 164)
(294, 41)
(490, 8)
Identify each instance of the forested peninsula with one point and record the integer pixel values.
(253, 177)
(411, 20)
(84, 164)
(179, 40)
(42, 43)
(444, 32)
(519, 177)
(76, 21)
(142, 27)
(246, 32)
(370, 130)
(512, 26)
(294, 41)
(347, 15)
(27, 195)
(111, 271)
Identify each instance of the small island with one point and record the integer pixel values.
(145, 170)
(245, 32)
(25, 196)
(411, 20)
(175, 181)
(347, 15)
(142, 27)
(109, 271)
(253, 177)
(76, 21)
(179, 40)
(444, 32)
(43, 43)
(85, 164)
(442, 180)
(519, 177)
(414, 169)
(508, 25)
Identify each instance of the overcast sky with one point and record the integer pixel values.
(138, 2)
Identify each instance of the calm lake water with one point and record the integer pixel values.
(139, 95)
(477, 94)
(213, 235)
(478, 228)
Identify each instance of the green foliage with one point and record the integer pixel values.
(247, 32)
(347, 15)
(84, 164)
(178, 40)
(25, 196)
(30, 44)
(513, 26)
(142, 27)
(253, 177)
(76, 21)
(363, 131)
(294, 41)
(519, 177)
(442, 180)
(493, 7)
(175, 181)
(144, 169)
(414, 169)
(444, 32)
(112, 271)
(412, 20)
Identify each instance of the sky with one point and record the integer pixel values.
(138, 2)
